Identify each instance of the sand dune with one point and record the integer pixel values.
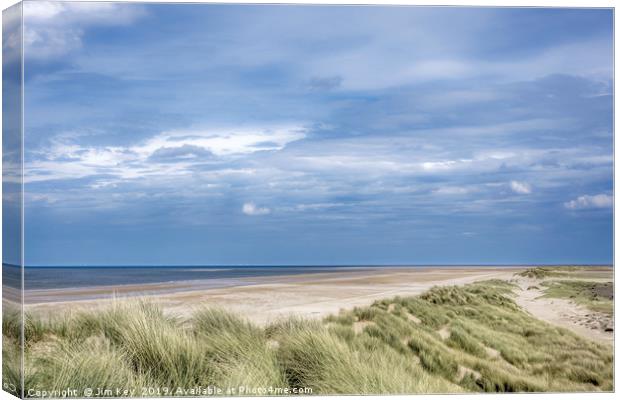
(563, 312)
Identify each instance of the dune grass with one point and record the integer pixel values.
(11, 366)
(11, 348)
(550, 272)
(449, 339)
(570, 271)
(583, 285)
(596, 296)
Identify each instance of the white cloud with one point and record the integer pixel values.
(314, 173)
(54, 12)
(252, 209)
(11, 34)
(520, 187)
(589, 202)
(438, 165)
(52, 29)
(226, 141)
(66, 160)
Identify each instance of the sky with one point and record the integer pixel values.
(11, 137)
(316, 135)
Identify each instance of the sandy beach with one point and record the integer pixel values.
(263, 300)
(412, 308)
(266, 299)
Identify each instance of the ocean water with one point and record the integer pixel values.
(60, 277)
(76, 277)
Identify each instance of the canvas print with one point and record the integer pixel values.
(248, 200)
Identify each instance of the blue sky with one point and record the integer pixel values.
(221, 134)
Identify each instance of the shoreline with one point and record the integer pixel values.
(40, 295)
(266, 299)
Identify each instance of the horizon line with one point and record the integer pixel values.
(316, 265)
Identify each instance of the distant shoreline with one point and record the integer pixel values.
(69, 278)
(265, 299)
(80, 283)
(52, 278)
(338, 287)
(458, 265)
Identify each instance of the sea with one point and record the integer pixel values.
(59, 277)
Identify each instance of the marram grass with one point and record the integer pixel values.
(450, 339)
(596, 296)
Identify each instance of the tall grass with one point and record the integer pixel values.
(11, 348)
(317, 359)
(94, 363)
(450, 339)
(237, 351)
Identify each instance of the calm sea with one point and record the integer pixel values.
(75, 277)
(213, 276)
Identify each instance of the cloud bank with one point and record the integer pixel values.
(367, 134)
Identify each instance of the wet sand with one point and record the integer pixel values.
(266, 299)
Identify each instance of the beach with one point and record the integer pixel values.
(267, 299)
(435, 329)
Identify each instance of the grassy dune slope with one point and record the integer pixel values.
(596, 296)
(590, 287)
(450, 339)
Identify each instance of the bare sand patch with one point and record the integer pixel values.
(413, 318)
(562, 312)
(491, 352)
(464, 371)
(444, 333)
(359, 326)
